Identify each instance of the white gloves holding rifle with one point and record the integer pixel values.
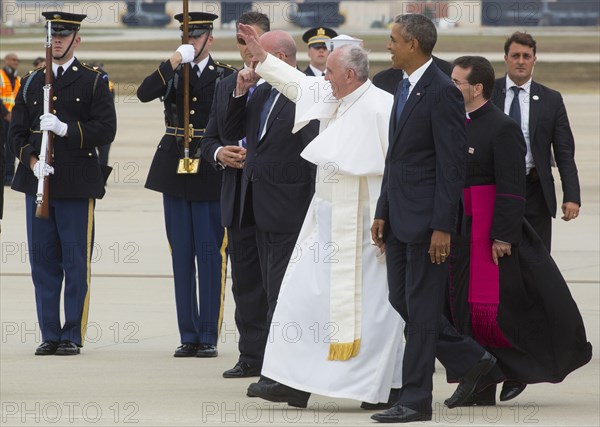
(42, 169)
(187, 53)
(51, 123)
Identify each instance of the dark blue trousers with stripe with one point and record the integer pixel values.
(198, 243)
(60, 247)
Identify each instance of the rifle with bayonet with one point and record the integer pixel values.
(46, 152)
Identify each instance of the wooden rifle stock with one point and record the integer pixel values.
(47, 150)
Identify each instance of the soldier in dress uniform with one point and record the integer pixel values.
(191, 200)
(316, 39)
(60, 247)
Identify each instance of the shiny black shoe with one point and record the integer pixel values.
(276, 392)
(486, 397)
(242, 370)
(46, 348)
(394, 395)
(67, 348)
(401, 414)
(207, 350)
(511, 389)
(186, 350)
(470, 381)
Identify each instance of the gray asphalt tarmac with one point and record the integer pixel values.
(126, 373)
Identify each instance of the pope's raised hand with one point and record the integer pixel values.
(250, 36)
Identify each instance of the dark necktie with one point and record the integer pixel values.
(515, 107)
(402, 98)
(250, 92)
(264, 114)
(194, 75)
(59, 72)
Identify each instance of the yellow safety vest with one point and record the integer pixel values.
(7, 91)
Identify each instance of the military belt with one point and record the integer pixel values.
(197, 133)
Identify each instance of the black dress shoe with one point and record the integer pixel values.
(276, 392)
(401, 414)
(394, 395)
(511, 389)
(46, 348)
(186, 350)
(470, 381)
(67, 348)
(207, 350)
(242, 370)
(485, 397)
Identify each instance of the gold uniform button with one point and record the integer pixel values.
(89, 154)
(194, 99)
(192, 112)
(75, 68)
(54, 111)
(54, 98)
(77, 99)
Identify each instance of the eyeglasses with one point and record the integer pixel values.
(459, 83)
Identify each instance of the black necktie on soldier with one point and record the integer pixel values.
(59, 72)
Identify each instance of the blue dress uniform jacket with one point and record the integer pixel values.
(168, 85)
(82, 101)
(60, 247)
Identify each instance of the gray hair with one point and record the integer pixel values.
(355, 58)
(420, 27)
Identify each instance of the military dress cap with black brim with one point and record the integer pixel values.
(198, 24)
(63, 23)
(318, 37)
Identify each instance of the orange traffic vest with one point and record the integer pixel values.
(8, 92)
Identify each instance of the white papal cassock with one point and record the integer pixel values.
(333, 302)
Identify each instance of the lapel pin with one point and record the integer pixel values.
(535, 97)
(210, 67)
(471, 150)
(418, 93)
(75, 68)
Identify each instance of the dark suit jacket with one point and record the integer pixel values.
(549, 129)
(282, 181)
(213, 139)
(168, 84)
(426, 160)
(308, 71)
(388, 79)
(84, 103)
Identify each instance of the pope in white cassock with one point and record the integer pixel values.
(334, 332)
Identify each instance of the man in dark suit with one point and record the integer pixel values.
(60, 246)
(543, 118)
(191, 200)
(389, 79)
(277, 184)
(416, 213)
(316, 39)
(228, 155)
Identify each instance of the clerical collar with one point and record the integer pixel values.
(475, 114)
(358, 92)
(64, 66)
(202, 64)
(417, 74)
(525, 87)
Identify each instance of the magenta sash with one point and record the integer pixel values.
(484, 275)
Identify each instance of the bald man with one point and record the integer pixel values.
(277, 183)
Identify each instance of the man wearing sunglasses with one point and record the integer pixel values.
(60, 247)
(191, 200)
(316, 39)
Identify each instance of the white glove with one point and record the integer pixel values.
(42, 169)
(187, 53)
(50, 122)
